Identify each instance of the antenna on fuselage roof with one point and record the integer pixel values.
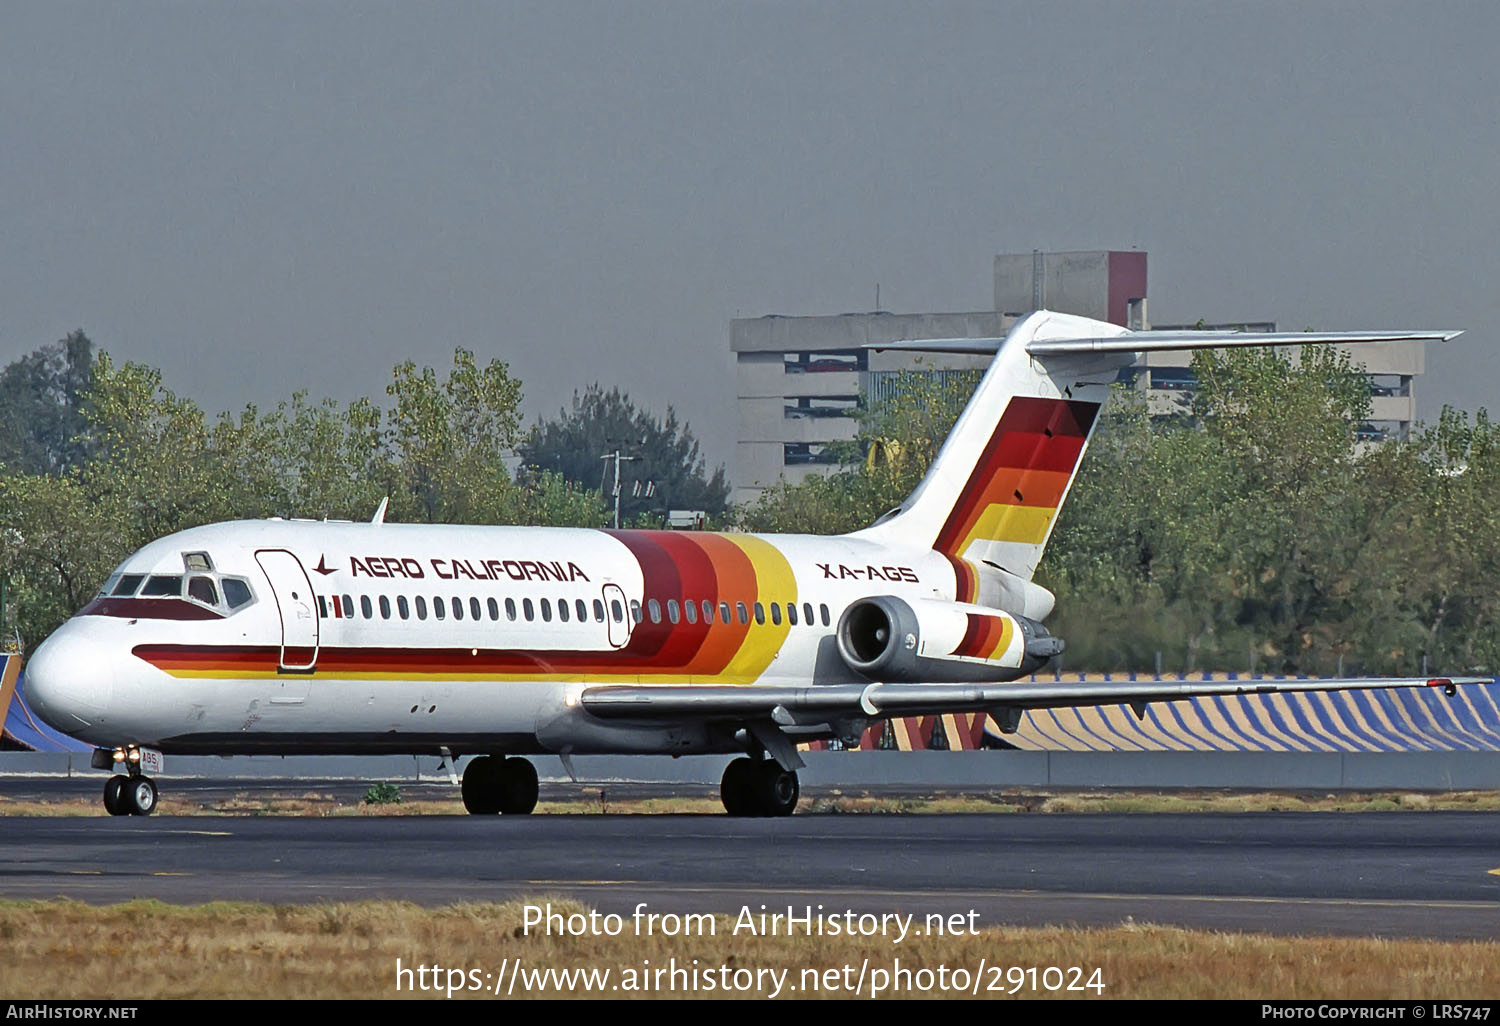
(379, 517)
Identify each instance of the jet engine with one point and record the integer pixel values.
(886, 638)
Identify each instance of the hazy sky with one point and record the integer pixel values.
(260, 197)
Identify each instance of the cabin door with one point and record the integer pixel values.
(294, 599)
(619, 625)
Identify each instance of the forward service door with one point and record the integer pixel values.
(294, 599)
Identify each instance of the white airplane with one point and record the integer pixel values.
(307, 637)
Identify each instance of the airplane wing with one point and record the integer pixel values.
(787, 706)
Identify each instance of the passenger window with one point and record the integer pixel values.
(493, 607)
(546, 610)
(739, 607)
(128, 585)
(690, 610)
(582, 610)
(791, 613)
(823, 608)
(673, 613)
(162, 586)
(237, 592)
(439, 610)
(807, 616)
(708, 611)
(760, 614)
(510, 609)
(365, 607)
(349, 606)
(474, 613)
(202, 589)
(724, 613)
(528, 609)
(655, 608)
(616, 611)
(635, 610)
(775, 614)
(385, 607)
(403, 608)
(421, 608)
(322, 607)
(562, 610)
(599, 610)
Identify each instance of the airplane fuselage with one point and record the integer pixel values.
(379, 638)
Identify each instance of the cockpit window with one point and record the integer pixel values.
(197, 561)
(128, 585)
(162, 585)
(202, 589)
(236, 592)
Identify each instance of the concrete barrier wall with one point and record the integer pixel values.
(877, 771)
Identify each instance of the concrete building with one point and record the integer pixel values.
(800, 380)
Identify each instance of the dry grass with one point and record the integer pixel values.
(592, 801)
(144, 950)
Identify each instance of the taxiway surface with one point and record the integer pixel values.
(1427, 874)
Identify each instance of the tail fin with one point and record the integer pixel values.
(993, 493)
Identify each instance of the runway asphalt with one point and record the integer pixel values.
(1424, 874)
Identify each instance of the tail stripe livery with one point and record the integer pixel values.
(1016, 488)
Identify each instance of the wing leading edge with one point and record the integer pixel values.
(802, 705)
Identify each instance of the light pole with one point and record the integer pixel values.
(617, 457)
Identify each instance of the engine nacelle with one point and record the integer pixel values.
(887, 638)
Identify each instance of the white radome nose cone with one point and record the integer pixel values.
(69, 679)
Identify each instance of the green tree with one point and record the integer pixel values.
(667, 455)
(56, 547)
(41, 407)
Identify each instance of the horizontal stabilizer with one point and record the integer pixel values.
(1157, 341)
(1160, 341)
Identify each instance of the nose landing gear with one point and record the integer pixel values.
(130, 796)
(131, 793)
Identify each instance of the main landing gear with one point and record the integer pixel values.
(494, 783)
(759, 787)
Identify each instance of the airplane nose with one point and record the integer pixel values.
(69, 679)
